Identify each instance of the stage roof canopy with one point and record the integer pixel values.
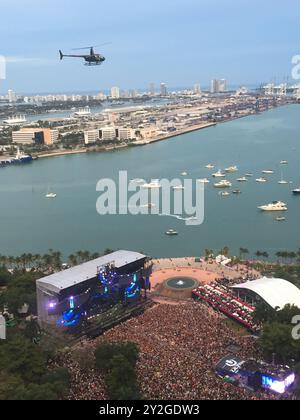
(58, 282)
(276, 292)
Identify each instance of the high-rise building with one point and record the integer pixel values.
(163, 89)
(222, 85)
(197, 89)
(11, 96)
(152, 89)
(218, 86)
(115, 93)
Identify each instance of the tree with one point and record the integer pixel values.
(264, 313)
(121, 382)
(117, 362)
(20, 290)
(10, 385)
(277, 339)
(18, 356)
(5, 277)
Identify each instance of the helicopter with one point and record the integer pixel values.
(92, 59)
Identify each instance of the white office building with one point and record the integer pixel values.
(11, 96)
(197, 89)
(91, 136)
(124, 133)
(115, 93)
(163, 89)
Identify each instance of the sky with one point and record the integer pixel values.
(178, 42)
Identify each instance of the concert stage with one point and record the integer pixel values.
(73, 297)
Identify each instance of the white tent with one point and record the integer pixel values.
(276, 292)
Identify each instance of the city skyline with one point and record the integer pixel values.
(218, 39)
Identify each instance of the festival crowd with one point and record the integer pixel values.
(179, 345)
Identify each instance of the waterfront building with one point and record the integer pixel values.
(91, 136)
(30, 136)
(108, 133)
(125, 133)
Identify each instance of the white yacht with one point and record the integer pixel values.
(231, 169)
(51, 195)
(171, 232)
(152, 185)
(225, 194)
(249, 175)
(284, 162)
(219, 174)
(261, 180)
(210, 166)
(223, 184)
(275, 206)
(184, 173)
(280, 219)
(178, 187)
(282, 181)
(204, 181)
(268, 172)
(16, 120)
(243, 179)
(137, 181)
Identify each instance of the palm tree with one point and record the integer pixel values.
(243, 252)
(225, 251)
(73, 260)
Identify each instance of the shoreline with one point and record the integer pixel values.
(126, 146)
(146, 142)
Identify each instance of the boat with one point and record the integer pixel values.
(223, 184)
(284, 162)
(261, 180)
(171, 232)
(280, 219)
(236, 192)
(152, 185)
(178, 187)
(231, 169)
(16, 120)
(296, 191)
(51, 195)
(210, 166)
(282, 181)
(137, 181)
(243, 179)
(219, 174)
(225, 194)
(83, 112)
(204, 181)
(275, 206)
(249, 175)
(184, 173)
(268, 172)
(20, 158)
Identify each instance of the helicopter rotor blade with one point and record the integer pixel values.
(91, 46)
